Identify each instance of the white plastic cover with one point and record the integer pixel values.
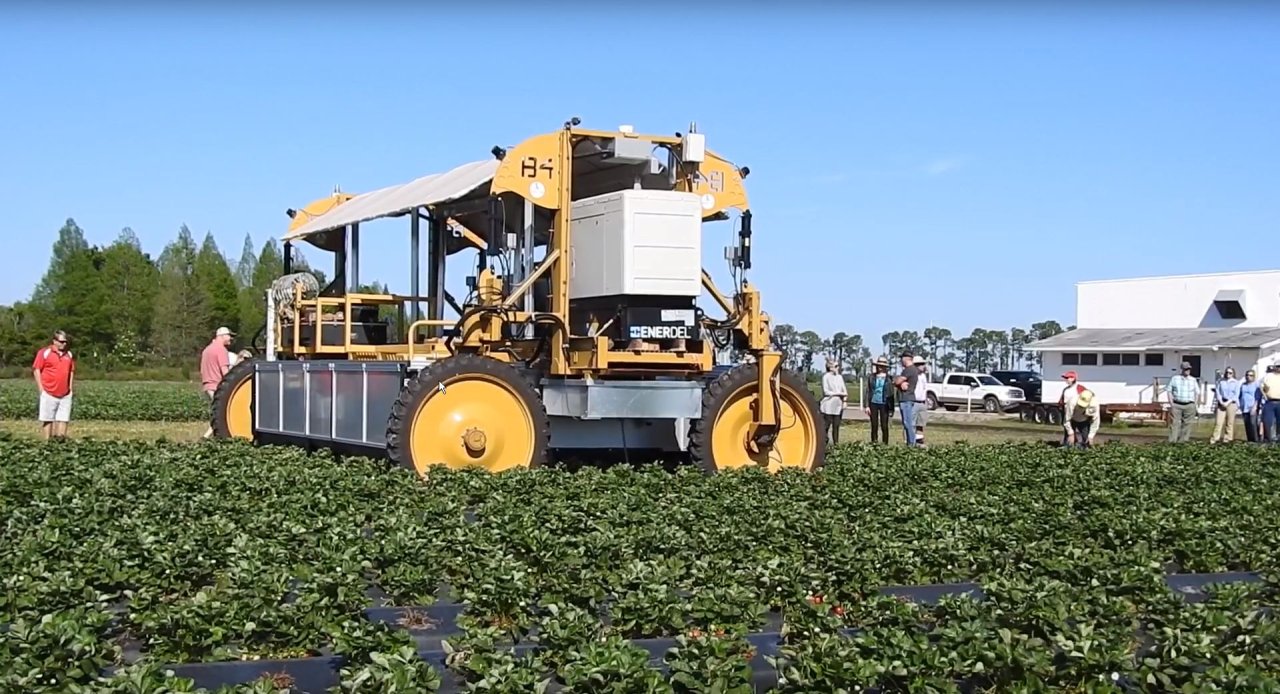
(428, 190)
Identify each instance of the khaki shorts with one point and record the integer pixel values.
(922, 417)
(54, 409)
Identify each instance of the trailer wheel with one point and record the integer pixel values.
(1055, 415)
(719, 440)
(231, 414)
(1039, 416)
(469, 411)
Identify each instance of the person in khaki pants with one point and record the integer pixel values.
(1227, 396)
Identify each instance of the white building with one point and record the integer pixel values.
(1131, 335)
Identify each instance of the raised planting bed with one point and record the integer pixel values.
(1196, 588)
(122, 559)
(430, 626)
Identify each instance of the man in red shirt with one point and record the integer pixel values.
(215, 361)
(54, 370)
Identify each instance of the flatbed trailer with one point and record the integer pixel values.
(1051, 412)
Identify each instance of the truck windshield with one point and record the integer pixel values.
(989, 381)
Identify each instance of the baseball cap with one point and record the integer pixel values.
(1186, 365)
(1070, 374)
(224, 331)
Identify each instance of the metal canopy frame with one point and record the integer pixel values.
(522, 199)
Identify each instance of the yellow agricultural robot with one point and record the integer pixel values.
(581, 331)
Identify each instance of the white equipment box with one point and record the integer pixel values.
(636, 243)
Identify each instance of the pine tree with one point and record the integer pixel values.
(70, 243)
(181, 314)
(217, 286)
(133, 282)
(71, 296)
(253, 298)
(247, 265)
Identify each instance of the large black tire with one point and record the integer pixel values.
(931, 401)
(991, 404)
(220, 417)
(1040, 415)
(427, 384)
(726, 388)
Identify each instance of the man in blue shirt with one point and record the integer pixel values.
(1227, 396)
(906, 392)
(1249, 402)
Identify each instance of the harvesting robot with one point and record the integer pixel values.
(581, 331)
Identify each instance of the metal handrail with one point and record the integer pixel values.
(425, 323)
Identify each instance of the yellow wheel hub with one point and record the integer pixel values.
(239, 415)
(797, 441)
(473, 421)
(474, 440)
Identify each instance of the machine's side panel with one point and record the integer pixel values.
(382, 387)
(266, 397)
(595, 267)
(621, 414)
(326, 403)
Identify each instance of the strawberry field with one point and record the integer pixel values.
(117, 401)
(134, 567)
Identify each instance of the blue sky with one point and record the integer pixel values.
(961, 165)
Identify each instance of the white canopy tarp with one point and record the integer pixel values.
(385, 202)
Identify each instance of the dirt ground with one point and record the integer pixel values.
(998, 431)
(973, 432)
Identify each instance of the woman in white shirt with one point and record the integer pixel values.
(834, 395)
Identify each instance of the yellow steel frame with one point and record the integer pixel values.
(540, 170)
(432, 348)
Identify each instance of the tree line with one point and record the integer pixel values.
(125, 309)
(982, 350)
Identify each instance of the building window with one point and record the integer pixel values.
(1088, 360)
(1155, 359)
(1119, 359)
(1070, 359)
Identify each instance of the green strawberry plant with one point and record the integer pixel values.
(118, 401)
(166, 553)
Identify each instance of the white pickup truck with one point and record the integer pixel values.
(979, 391)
